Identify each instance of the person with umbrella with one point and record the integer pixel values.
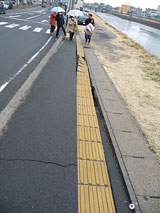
(72, 26)
(75, 13)
(60, 23)
(52, 22)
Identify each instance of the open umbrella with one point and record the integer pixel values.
(75, 13)
(57, 9)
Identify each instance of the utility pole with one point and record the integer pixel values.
(71, 4)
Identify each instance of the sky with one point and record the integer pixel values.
(136, 3)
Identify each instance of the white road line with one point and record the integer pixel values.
(18, 13)
(26, 27)
(3, 23)
(12, 25)
(37, 29)
(3, 86)
(39, 11)
(21, 94)
(48, 31)
(24, 20)
(33, 17)
(24, 66)
(14, 16)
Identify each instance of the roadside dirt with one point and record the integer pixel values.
(136, 75)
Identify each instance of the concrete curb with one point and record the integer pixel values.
(21, 94)
(108, 126)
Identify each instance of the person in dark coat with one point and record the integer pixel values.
(88, 20)
(60, 23)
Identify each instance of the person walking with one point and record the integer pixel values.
(60, 23)
(72, 27)
(88, 20)
(52, 22)
(89, 31)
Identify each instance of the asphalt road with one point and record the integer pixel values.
(38, 157)
(22, 35)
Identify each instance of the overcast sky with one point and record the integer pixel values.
(136, 3)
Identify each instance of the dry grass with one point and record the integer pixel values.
(136, 75)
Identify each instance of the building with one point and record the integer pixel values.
(158, 11)
(108, 7)
(124, 8)
(78, 4)
(151, 12)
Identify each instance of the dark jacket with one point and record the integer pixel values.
(88, 20)
(60, 20)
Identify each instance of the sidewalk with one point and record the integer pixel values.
(140, 170)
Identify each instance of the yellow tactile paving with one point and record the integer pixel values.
(83, 76)
(84, 82)
(84, 94)
(89, 134)
(82, 66)
(95, 199)
(82, 69)
(85, 101)
(93, 173)
(87, 120)
(80, 51)
(90, 151)
(86, 110)
(84, 88)
(94, 190)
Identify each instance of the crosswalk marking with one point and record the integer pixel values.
(12, 25)
(44, 21)
(26, 27)
(37, 29)
(48, 31)
(3, 23)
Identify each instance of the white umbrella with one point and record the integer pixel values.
(75, 13)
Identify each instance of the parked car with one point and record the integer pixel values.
(85, 13)
(82, 19)
(5, 5)
(9, 3)
(43, 4)
(2, 9)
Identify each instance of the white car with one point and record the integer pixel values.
(5, 5)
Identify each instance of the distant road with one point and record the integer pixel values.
(25, 39)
